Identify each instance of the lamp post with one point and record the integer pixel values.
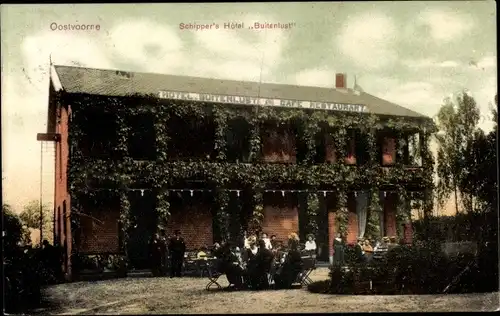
(41, 181)
(41, 207)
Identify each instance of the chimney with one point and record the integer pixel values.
(340, 81)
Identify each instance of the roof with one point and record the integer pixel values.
(121, 83)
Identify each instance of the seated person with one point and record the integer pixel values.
(229, 266)
(264, 260)
(310, 247)
(368, 250)
(291, 267)
(274, 242)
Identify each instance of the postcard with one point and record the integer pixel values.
(250, 157)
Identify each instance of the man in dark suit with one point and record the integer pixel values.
(177, 248)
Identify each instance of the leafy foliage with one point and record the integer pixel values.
(12, 228)
(30, 216)
(457, 123)
(414, 269)
(121, 173)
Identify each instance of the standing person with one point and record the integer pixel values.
(155, 252)
(338, 250)
(177, 248)
(310, 246)
(267, 241)
(274, 242)
(250, 258)
(381, 250)
(49, 259)
(246, 243)
(291, 267)
(164, 251)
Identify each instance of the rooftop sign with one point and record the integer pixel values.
(230, 99)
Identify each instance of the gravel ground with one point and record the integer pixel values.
(188, 295)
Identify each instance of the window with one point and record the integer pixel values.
(278, 144)
(100, 137)
(323, 148)
(192, 138)
(387, 148)
(351, 158)
(64, 220)
(361, 148)
(414, 150)
(58, 233)
(238, 141)
(142, 138)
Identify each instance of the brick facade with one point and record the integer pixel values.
(100, 233)
(195, 221)
(332, 229)
(281, 215)
(62, 200)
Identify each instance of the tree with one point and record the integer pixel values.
(447, 155)
(480, 180)
(12, 228)
(30, 216)
(457, 124)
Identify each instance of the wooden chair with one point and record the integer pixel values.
(308, 266)
(213, 274)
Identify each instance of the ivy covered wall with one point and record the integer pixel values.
(120, 172)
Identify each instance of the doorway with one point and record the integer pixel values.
(143, 226)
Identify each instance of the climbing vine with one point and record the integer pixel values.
(222, 213)
(374, 212)
(124, 218)
(402, 210)
(87, 174)
(163, 208)
(312, 213)
(342, 216)
(258, 212)
(220, 132)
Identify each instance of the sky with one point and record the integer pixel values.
(412, 53)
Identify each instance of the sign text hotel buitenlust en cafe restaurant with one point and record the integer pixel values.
(230, 99)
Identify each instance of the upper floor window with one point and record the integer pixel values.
(99, 134)
(386, 142)
(278, 144)
(238, 141)
(142, 137)
(191, 138)
(361, 147)
(414, 149)
(351, 158)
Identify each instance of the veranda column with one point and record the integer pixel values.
(163, 207)
(161, 132)
(125, 219)
(255, 141)
(220, 133)
(223, 217)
